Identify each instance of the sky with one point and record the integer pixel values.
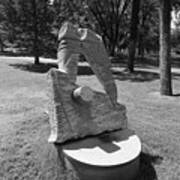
(51, 1)
(175, 19)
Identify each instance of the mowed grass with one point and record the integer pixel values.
(24, 151)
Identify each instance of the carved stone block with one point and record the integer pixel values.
(77, 112)
(73, 119)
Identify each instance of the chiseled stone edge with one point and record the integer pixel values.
(59, 121)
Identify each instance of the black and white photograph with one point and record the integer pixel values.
(89, 89)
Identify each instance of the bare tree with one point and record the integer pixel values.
(109, 18)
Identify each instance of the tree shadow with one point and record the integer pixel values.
(45, 67)
(147, 171)
(138, 64)
(15, 54)
(175, 75)
(36, 68)
(137, 76)
(140, 75)
(176, 95)
(153, 61)
(148, 62)
(85, 70)
(175, 62)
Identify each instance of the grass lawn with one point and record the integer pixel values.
(24, 129)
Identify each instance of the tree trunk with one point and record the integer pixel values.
(35, 29)
(165, 47)
(1, 45)
(36, 60)
(133, 34)
(141, 47)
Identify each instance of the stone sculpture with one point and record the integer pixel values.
(75, 111)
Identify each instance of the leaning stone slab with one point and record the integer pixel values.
(71, 118)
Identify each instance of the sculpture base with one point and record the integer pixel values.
(109, 156)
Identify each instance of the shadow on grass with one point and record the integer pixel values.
(14, 54)
(175, 62)
(37, 68)
(147, 171)
(139, 63)
(153, 61)
(149, 62)
(85, 70)
(175, 75)
(45, 67)
(176, 95)
(137, 76)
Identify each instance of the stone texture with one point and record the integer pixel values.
(69, 117)
(83, 94)
(75, 41)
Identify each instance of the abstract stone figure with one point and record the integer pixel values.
(75, 41)
(77, 112)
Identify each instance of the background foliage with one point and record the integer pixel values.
(32, 25)
(110, 18)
